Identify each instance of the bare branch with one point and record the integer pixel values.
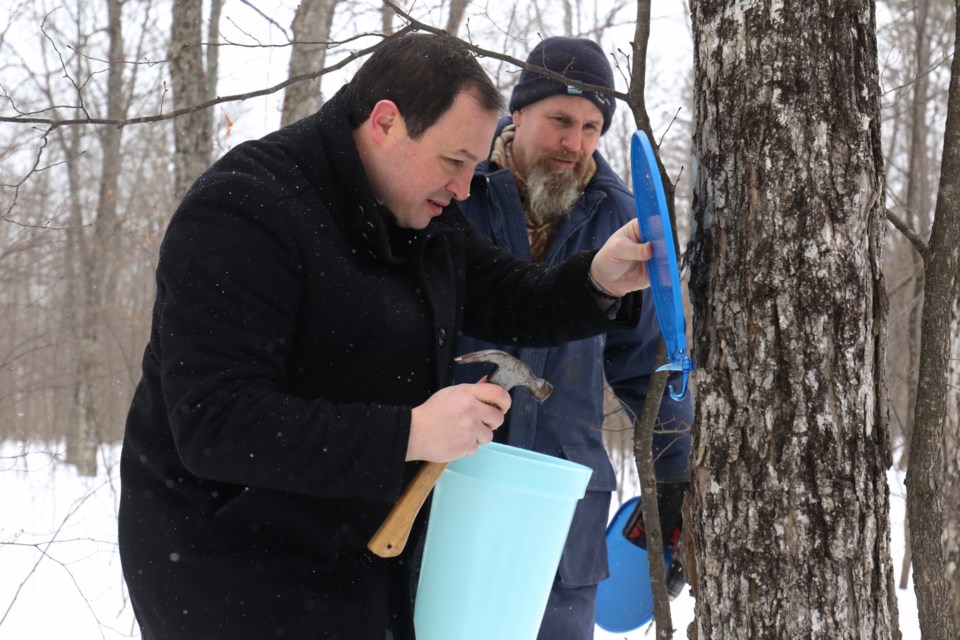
(124, 122)
(269, 20)
(415, 25)
(907, 232)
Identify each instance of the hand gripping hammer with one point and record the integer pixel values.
(508, 372)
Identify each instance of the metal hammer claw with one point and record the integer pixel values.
(508, 372)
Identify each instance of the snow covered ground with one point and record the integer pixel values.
(60, 571)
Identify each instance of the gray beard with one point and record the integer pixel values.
(550, 195)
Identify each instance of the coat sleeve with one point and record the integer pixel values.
(510, 301)
(229, 285)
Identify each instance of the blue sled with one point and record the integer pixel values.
(625, 599)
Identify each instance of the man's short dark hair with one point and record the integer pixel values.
(422, 74)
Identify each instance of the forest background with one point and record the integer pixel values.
(93, 164)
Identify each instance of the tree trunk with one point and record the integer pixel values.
(917, 215)
(95, 256)
(387, 14)
(567, 18)
(951, 448)
(458, 9)
(213, 50)
(66, 411)
(791, 531)
(925, 475)
(193, 131)
(311, 31)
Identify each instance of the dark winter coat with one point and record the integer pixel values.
(295, 327)
(568, 424)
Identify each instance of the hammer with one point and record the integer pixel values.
(508, 372)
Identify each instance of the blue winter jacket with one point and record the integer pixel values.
(568, 424)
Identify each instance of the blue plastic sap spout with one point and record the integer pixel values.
(655, 227)
(686, 365)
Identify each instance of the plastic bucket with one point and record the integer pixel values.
(496, 531)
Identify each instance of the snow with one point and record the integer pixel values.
(60, 569)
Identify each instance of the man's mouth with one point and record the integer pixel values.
(563, 162)
(436, 206)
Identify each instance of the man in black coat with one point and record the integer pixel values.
(311, 290)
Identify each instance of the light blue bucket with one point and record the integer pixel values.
(497, 527)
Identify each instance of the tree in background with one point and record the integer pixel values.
(192, 84)
(65, 216)
(915, 79)
(311, 35)
(790, 500)
(951, 464)
(930, 526)
(921, 116)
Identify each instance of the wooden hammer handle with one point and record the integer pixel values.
(391, 537)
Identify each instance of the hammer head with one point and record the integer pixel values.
(509, 372)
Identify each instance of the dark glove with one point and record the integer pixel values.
(669, 505)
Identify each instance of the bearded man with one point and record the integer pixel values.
(546, 193)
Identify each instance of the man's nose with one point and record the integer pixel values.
(459, 186)
(573, 140)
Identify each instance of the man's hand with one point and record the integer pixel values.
(456, 420)
(620, 265)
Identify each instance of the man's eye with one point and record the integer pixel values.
(455, 162)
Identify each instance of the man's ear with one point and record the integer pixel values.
(516, 116)
(385, 121)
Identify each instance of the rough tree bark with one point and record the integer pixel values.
(925, 480)
(193, 137)
(951, 448)
(311, 32)
(791, 532)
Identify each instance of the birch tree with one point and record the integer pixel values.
(791, 532)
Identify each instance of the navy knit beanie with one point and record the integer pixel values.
(576, 58)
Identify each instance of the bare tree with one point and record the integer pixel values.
(311, 34)
(791, 532)
(917, 204)
(951, 462)
(925, 474)
(387, 15)
(95, 247)
(70, 227)
(914, 110)
(193, 135)
(458, 9)
(213, 50)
